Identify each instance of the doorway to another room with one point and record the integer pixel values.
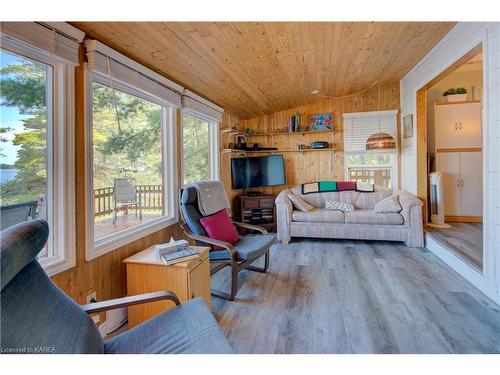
(454, 148)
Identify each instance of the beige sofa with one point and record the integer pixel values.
(360, 224)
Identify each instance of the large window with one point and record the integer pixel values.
(200, 148)
(132, 165)
(36, 147)
(375, 168)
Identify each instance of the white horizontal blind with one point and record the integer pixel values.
(194, 103)
(98, 63)
(359, 126)
(43, 38)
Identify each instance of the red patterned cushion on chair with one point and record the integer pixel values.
(220, 227)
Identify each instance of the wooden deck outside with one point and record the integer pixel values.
(106, 227)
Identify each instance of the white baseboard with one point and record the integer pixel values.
(114, 320)
(470, 274)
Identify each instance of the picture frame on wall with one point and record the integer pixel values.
(321, 122)
(408, 126)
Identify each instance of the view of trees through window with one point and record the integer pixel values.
(126, 147)
(25, 88)
(196, 149)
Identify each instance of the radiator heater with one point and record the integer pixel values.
(437, 201)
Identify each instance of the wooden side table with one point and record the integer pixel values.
(146, 272)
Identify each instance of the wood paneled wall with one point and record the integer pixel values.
(106, 274)
(308, 166)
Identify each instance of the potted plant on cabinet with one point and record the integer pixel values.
(458, 94)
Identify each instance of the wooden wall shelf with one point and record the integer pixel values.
(460, 102)
(294, 133)
(227, 150)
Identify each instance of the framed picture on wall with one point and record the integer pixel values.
(408, 126)
(321, 122)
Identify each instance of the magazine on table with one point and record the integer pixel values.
(176, 251)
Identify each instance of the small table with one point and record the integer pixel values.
(146, 272)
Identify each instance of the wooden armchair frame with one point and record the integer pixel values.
(138, 299)
(236, 266)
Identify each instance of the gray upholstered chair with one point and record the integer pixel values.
(240, 256)
(16, 213)
(36, 316)
(125, 195)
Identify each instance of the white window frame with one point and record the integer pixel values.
(393, 165)
(100, 247)
(213, 143)
(60, 159)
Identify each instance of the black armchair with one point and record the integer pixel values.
(36, 314)
(240, 256)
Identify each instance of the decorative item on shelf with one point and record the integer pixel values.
(230, 145)
(380, 141)
(248, 132)
(295, 123)
(458, 94)
(319, 144)
(241, 143)
(301, 146)
(321, 122)
(408, 126)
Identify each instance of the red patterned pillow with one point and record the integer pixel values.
(220, 227)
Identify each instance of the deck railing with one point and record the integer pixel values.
(151, 198)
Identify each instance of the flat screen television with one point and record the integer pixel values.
(257, 171)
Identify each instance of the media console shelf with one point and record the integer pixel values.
(257, 210)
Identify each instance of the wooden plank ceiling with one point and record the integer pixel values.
(256, 68)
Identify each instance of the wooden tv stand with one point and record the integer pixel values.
(258, 210)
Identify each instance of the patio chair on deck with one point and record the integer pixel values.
(17, 213)
(125, 195)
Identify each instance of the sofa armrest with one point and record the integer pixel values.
(284, 207)
(412, 214)
(407, 202)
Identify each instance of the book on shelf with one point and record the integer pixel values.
(176, 251)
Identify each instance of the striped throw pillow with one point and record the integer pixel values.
(339, 206)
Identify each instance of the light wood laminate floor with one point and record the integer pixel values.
(340, 296)
(465, 239)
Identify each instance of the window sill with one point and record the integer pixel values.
(101, 247)
(53, 266)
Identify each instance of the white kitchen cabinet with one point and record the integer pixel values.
(448, 163)
(471, 187)
(462, 182)
(458, 138)
(458, 125)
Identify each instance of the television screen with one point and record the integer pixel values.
(252, 172)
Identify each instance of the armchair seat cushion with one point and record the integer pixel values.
(189, 328)
(248, 247)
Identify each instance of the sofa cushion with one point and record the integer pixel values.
(339, 206)
(367, 201)
(318, 216)
(388, 205)
(370, 217)
(299, 203)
